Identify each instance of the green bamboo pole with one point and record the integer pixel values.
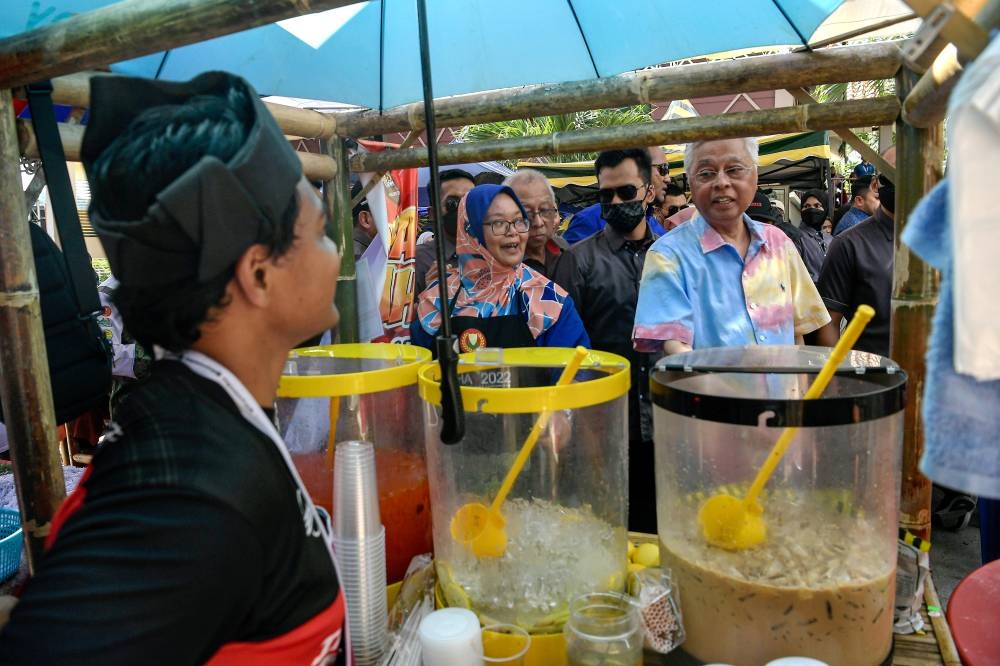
(914, 296)
(134, 28)
(795, 70)
(25, 389)
(749, 123)
(341, 230)
(864, 62)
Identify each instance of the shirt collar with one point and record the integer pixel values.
(712, 240)
(617, 241)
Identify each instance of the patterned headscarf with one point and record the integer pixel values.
(484, 286)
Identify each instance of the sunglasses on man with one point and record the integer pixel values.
(625, 193)
(662, 169)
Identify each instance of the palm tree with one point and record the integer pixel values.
(629, 115)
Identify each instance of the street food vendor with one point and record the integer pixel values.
(497, 300)
(191, 538)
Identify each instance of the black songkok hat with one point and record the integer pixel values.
(206, 219)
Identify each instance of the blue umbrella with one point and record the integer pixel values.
(366, 53)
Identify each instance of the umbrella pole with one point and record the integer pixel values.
(25, 389)
(337, 191)
(452, 412)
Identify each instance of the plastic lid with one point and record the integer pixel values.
(350, 369)
(772, 359)
(766, 385)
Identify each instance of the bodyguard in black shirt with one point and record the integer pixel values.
(858, 270)
(602, 274)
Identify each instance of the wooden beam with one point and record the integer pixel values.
(927, 102)
(134, 28)
(877, 111)
(850, 63)
(850, 138)
(74, 90)
(25, 389)
(949, 24)
(315, 167)
(919, 160)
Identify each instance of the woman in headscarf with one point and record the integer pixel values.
(495, 299)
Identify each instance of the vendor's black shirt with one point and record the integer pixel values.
(187, 536)
(602, 274)
(858, 270)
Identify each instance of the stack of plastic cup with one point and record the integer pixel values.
(359, 545)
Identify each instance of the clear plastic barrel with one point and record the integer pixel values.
(821, 584)
(565, 515)
(369, 393)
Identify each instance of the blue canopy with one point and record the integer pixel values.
(367, 53)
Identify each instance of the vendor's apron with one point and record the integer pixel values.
(504, 331)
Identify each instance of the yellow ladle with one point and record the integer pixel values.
(733, 523)
(482, 529)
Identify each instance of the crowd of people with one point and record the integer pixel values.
(651, 270)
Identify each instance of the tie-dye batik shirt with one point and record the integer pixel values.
(698, 290)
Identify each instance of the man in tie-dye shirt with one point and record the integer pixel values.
(724, 279)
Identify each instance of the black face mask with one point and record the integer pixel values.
(813, 217)
(449, 218)
(624, 217)
(450, 222)
(886, 194)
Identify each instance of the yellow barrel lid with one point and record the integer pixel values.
(408, 359)
(531, 400)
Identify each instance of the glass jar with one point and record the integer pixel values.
(603, 628)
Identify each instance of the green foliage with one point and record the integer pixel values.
(566, 122)
(839, 92)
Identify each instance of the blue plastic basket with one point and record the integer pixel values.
(10, 543)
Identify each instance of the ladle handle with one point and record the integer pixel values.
(861, 317)
(568, 373)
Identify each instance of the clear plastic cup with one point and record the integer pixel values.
(361, 563)
(355, 505)
(505, 644)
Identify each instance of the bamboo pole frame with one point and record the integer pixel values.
(315, 167)
(919, 162)
(147, 26)
(883, 110)
(927, 102)
(338, 198)
(25, 388)
(74, 90)
(134, 28)
(794, 70)
(802, 96)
